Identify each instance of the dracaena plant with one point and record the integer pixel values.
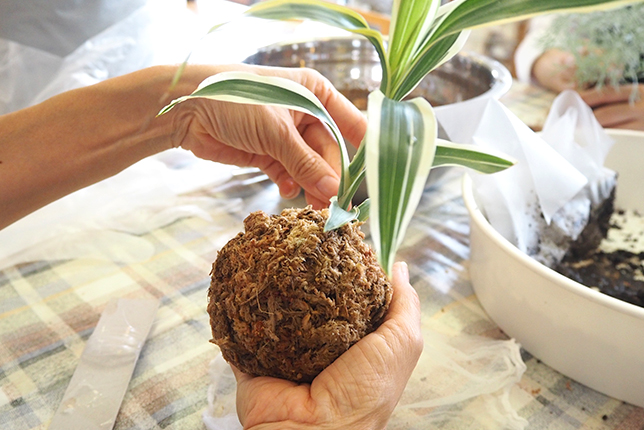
(401, 145)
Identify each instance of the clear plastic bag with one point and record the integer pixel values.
(55, 46)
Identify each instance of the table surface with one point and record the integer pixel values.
(48, 309)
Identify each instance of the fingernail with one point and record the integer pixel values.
(328, 186)
(289, 189)
(404, 269)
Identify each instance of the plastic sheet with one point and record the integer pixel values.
(66, 46)
(95, 392)
(104, 221)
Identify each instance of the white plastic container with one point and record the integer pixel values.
(586, 335)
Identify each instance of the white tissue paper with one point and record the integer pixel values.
(542, 203)
(221, 413)
(465, 381)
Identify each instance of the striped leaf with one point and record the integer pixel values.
(443, 51)
(410, 20)
(248, 88)
(400, 145)
(477, 13)
(325, 12)
(338, 216)
(460, 15)
(470, 156)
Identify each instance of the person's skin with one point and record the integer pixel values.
(358, 391)
(83, 136)
(555, 70)
(614, 107)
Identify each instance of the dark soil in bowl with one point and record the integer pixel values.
(618, 273)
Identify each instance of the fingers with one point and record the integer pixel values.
(308, 168)
(295, 150)
(239, 375)
(555, 70)
(613, 108)
(404, 309)
(401, 328)
(405, 300)
(608, 94)
(351, 122)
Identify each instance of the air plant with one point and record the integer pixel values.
(401, 144)
(606, 45)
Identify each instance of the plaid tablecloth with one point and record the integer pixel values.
(48, 309)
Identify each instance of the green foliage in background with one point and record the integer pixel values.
(608, 46)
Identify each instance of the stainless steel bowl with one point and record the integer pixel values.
(352, 65)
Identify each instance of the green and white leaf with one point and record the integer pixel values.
(469, 14)
(325, 12)
(410, 20)
(445, 49)
(364, 208)
(338, 216)
(249, 88)
(470, 156)
(459, 15)
(400, 145)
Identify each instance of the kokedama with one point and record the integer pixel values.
(288, 298)
(296, 290)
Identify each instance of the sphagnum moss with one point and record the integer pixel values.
(286, 298)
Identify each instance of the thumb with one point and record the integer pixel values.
(309, 169)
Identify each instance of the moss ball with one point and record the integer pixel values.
(286, 299)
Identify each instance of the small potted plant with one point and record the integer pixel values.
(290, 309)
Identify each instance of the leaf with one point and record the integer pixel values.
(248, 88)
(328, 13)
(471, 156)
(339, 216)
(460, 15)
(401, 141)
(477, 13)
(364, 208)
(442, 51)
(357, 175)
(410, 21)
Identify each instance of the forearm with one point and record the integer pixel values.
(83, 136)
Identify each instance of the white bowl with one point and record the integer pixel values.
(586, 335)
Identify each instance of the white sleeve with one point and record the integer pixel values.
(530, 47)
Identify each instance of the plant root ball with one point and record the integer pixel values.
(286, 299)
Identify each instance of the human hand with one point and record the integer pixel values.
(359, 390)
(555, 70)
(612, 107)
(292, 148)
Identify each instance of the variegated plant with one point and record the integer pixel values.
(401, 144)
